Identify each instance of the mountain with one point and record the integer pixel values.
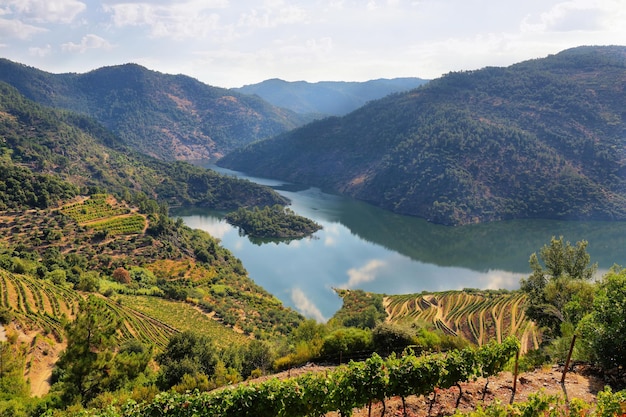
(330, 98)
(46, 147)
(545, 138)
(166, 116)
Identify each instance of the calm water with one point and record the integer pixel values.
(364, 247)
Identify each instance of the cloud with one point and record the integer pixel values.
(47, 11)
(495, 279)
(87, 42)
(570, 16)
(306, 306)
(366, 273)
(40, 51)
(273, 15)
(16, 29)
(176, 20)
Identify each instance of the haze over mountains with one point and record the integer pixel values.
(545, 138)
(330, 98)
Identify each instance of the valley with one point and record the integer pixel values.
(458, 230)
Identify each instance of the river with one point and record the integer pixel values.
(364, 247)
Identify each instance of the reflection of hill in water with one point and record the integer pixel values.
(501, 245)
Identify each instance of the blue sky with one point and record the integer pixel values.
(230, 43)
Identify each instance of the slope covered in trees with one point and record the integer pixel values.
(166, 116)
(45, 150)
(539, 139)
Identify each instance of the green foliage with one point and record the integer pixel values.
(604, 328)
(272, 222)
(343, 343)
(340, 390)
(21, 188)
(388, 337)
(12, 381)
(85, 367)
(359, 309)
(558, 292)
(187, 353)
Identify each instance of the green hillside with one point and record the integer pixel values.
(166, 116)
(63, 146)
(540, 139)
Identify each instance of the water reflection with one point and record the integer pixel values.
(361, 246)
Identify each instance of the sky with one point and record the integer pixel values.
(231, 43)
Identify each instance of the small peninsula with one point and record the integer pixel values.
(272, 222)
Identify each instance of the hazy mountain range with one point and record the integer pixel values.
(327, 98)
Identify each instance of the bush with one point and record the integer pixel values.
(346, 342)
(389, 338)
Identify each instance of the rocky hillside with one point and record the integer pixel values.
(540, 139)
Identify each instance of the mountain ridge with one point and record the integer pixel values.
(540, 139)
(172, 117)
(329, 98)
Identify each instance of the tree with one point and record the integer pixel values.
(121, 275)
(88, 361)
(187, 353)
(89, 281)
(257, 356)
(605, 328)
(556, 291)
(12, 381)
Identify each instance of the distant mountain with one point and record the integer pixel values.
(330, 98)
(166, 116)
(48, 154)
(544, 138)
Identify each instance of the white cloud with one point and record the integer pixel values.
(44, 11)
(10, 28)
(87, 42)
(305, 305)
(577, 15)
(495, 279)
(367, 273)
(272, 15)
(228, 43)
(40, 52)
(172, 20)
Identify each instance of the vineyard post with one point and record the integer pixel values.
(515, 376)
(569, 357)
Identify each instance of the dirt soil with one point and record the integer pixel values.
(578, 384)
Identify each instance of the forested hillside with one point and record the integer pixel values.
(540, 139)
(330, 98)
(64, 146)
(166, 116)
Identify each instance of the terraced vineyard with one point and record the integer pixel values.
(39, 305)
(183, 316)
(479, 316)
(102, 213)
